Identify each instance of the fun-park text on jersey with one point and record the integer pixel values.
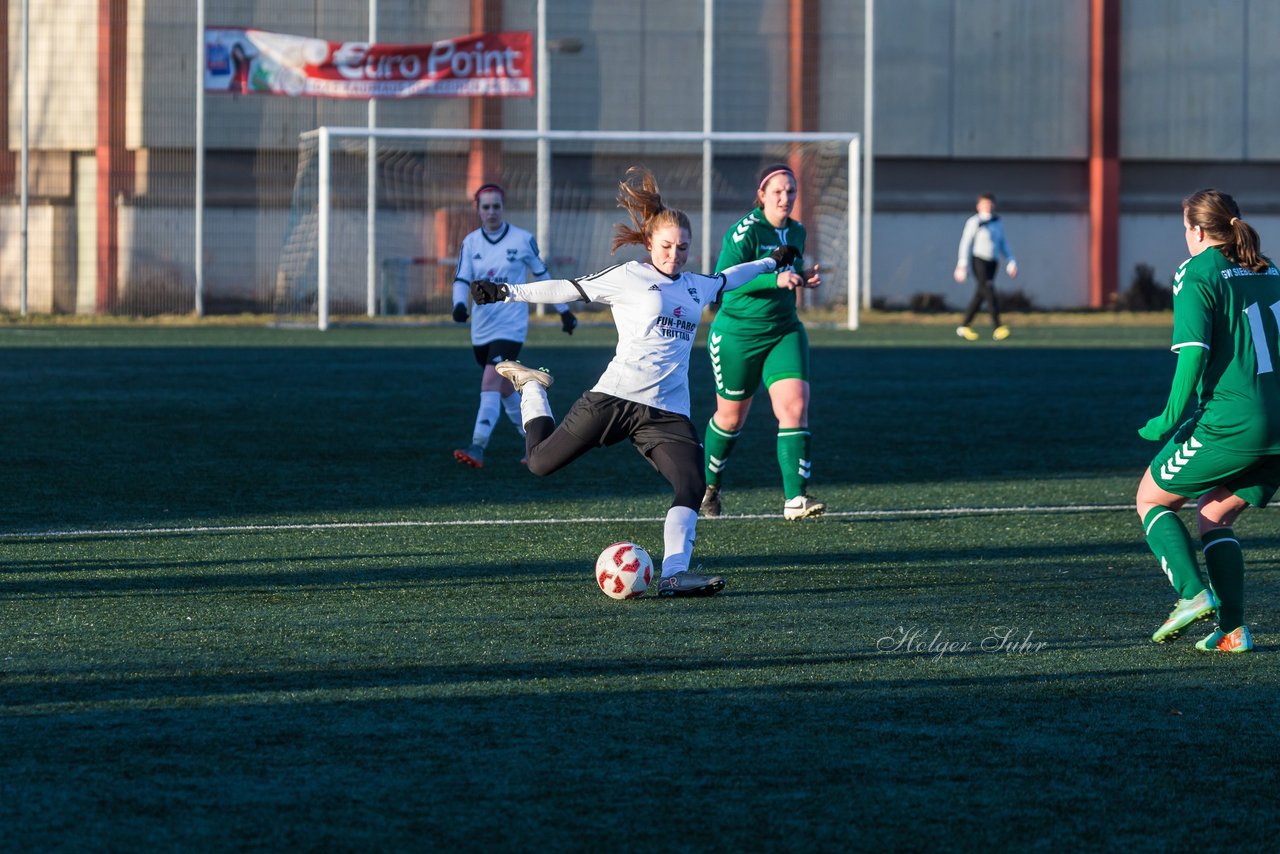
(675, 327)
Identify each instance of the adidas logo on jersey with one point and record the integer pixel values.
(655, 287)
(476, 257)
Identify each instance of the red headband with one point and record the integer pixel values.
(485, 188)
(765, 179)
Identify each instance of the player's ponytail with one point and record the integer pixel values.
(638, 195)
(1219, 215)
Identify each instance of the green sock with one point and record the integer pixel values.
(718, 444)
(1171, 544)
(1225, 561)
(793, 459)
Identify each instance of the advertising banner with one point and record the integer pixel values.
(257, 62)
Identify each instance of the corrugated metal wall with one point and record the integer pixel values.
(971, 95)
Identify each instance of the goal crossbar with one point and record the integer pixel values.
(325, 135)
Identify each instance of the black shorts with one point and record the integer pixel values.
(496, 351)
(600, 420)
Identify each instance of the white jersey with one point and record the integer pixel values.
(983, 238)
(657, 318)
(503, 257)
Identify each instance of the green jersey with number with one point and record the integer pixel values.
(1234, 313)
(759, 305)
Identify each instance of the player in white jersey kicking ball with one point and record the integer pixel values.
(496, 250)
(643, 394)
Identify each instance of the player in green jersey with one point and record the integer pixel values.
(1226, 332)
(756, 338)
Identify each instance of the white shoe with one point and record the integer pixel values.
(690, 584)
(803, 507)
(520, 374)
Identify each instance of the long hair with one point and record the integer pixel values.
(638, 195)
(1219, 216)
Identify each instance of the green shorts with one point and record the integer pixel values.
(742, 361)
(1191, 465)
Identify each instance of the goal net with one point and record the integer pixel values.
(377, 215)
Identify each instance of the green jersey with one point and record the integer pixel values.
(1234, 313)
(759, 304)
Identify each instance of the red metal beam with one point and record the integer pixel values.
(484, 160)
(1104, 151)
(804, 25)
(114, 161)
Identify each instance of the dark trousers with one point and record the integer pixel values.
(667, 440)
(984, 273)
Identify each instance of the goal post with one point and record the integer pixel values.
(331, 255)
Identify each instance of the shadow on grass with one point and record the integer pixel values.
(938, 569)
(107, 435)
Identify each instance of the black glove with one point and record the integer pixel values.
(460, 313)
(784, 256)
(485, 292)
(568, 322)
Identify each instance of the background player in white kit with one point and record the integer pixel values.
(643, 394)
(981, 243)
(496, 250)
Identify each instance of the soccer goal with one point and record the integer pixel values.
(377, 214)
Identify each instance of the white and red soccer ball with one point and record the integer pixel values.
(624, 571)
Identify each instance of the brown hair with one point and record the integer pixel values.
(638, 195)
(1219, 216)
(766, 174)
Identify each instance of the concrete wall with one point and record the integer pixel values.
(63, 115)
(916, 253)
(50, 259)
(971, 95)
(162, 78)
(955, 78)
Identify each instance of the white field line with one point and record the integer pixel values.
(924, 513)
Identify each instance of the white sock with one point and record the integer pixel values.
(486, 417)
(511, 405)
(677, 540)
(534, 403)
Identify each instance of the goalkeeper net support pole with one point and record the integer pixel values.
(328, 141)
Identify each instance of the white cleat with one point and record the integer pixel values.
(802, 507)
(520, 374)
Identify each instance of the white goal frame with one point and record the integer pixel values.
(325, 136)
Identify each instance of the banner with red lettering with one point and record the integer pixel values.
(487, 65)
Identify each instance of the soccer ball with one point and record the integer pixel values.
(624, 571)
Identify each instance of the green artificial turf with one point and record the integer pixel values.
(248, 600)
